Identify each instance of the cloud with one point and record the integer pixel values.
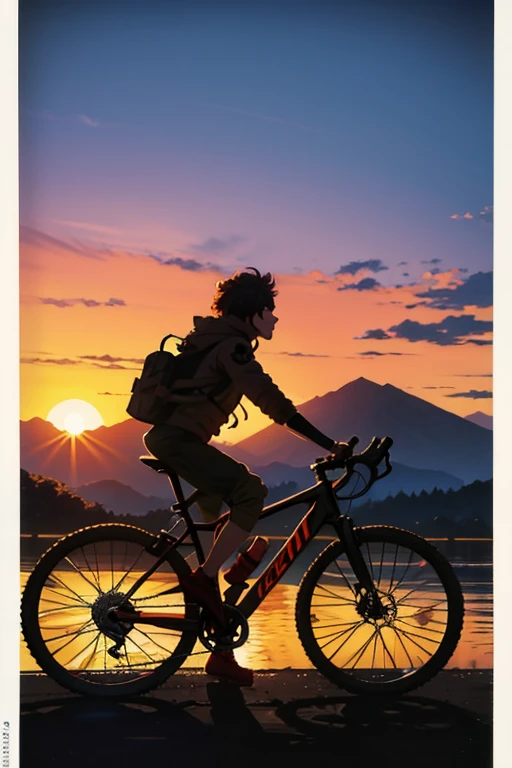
(432, 261)
(405, 274)
(373, 265)
(104, 361)
(48, 361)
(189, 265)
(383, 354)
(377, 335)
(31, 236)
(217, 245)
(86, 120)
(402, 263)
(114, 394)
(450, 331)
(110, 359)
(473, 394)
(474, 375)
(486, 214)
(367, 284)
(298, 354)
(479, 342)
(438, 387)
(476, 291)
(64, 303)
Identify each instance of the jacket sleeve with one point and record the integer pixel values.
(236, 359)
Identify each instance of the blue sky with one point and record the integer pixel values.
(300, 135)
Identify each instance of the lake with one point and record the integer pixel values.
(273, 642)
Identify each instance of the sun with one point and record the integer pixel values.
(73, 416)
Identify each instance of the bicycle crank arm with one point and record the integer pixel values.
(162, 620)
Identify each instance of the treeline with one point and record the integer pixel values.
(465, 512)
(49, 506)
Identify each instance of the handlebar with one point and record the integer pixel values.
(374, 453)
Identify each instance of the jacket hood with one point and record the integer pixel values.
(211, 330)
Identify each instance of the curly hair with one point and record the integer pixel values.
(244, 294)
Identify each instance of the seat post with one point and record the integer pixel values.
(183, 508)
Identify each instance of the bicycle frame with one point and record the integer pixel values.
(323, 510)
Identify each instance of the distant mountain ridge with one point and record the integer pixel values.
(425, 438)
(122, 499)
(482, 419)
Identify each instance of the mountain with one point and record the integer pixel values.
(102, 454)
(425, 436)
(122, 499)
(482, 419)
(402, 478)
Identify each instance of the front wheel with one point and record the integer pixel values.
(66, 603)
(390, 642)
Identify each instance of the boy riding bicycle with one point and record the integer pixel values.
(243, 311)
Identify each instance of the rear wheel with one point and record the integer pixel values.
(67, 599)
(395, 643)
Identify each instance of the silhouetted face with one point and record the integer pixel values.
(265, 324)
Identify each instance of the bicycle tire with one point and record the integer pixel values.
(37, 646)
(454, 621)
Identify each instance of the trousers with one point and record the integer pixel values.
(217, 476)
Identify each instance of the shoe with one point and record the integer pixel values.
(222, 664)
(247, 561)
(200, 588)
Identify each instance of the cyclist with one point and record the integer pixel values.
(243, 311)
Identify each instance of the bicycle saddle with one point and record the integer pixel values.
(155, 464)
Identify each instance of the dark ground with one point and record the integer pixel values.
(288, 714)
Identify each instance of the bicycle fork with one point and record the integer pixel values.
(364, 586)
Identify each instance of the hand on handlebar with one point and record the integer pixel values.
(342, 451)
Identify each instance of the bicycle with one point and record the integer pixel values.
(388, 596)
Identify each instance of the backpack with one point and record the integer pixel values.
(149, 401)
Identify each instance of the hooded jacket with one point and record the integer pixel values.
(230, 367)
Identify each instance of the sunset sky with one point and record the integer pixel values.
(347, 147)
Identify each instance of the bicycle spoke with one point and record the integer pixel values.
(403, 576)
(332, 634)
(385, 648)
(112, 564)
(338, 634)
(68, 559)
(414, 589)
(337, 624)
(409, 637)
(360, 651)
(167, 650)
(403, 646)
(152, 660)
(333, 594)
(96, 578)
(393, 571)
(414, 626)
(65, 586)
(130, 569)
(370, 561)
(75, 636)
(85, 663)
(346, 640)
(65, 607)
(349, 585)
(80, 601)
(381, 563)
(66, 634)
